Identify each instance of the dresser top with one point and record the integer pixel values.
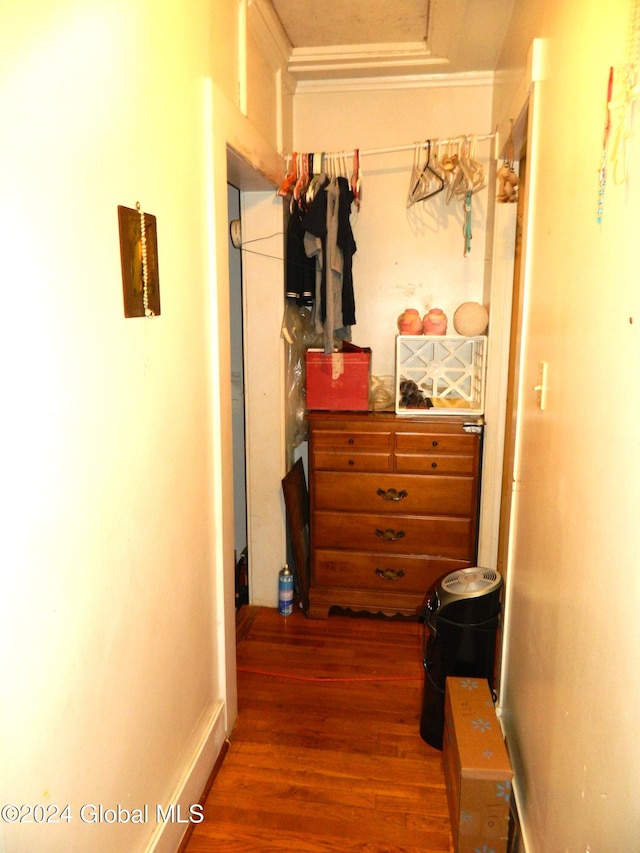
(392, 418)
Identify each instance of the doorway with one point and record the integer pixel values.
(515, 341)
(256, 314)
(236, 335)
(508, 482)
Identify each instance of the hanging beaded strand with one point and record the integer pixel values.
(602, 180)
(466, 228)
(145, 270)
(627, 90)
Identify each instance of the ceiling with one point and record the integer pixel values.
(362, 38)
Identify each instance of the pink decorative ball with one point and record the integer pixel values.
(435, 322)
(409, 322)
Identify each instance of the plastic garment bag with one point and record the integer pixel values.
(299, 335)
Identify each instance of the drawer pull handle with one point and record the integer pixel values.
(389, 535)
(392, 494)
(390, 574)
(434, 464)
(434, 443)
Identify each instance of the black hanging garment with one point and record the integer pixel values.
(300, 269)
(347, 245)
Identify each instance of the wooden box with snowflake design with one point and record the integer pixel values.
(477, 769)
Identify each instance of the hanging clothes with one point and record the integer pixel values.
(332, 302)
(329, 241)
(300, 268)
(314, 228)
(347, 244)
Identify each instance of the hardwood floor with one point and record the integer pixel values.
(326, 753)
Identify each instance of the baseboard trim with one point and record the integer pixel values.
(205, 793)
(197, 777)
(517, 832)
(520, 836)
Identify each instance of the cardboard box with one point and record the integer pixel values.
(477, 770)
(339, 381)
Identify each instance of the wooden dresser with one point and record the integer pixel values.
(394, 505)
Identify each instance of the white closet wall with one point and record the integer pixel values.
(407, 257)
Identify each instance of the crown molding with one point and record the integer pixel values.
(358, 60)
(391, 82)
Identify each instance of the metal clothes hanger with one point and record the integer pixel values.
(422, 180)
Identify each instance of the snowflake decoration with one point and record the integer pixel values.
(488, 753)
(483, 849)
(468, 684)
(504, 790)
(481, 725)
(466, 817)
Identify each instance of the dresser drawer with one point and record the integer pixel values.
(331, 461)
(394, 493)
(403, 534)
(353, 440)
(421, 442)
(431, 464)
(380, 572)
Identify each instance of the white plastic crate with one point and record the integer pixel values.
(447, 372)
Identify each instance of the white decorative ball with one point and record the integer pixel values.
(471, 319)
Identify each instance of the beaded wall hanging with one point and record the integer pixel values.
(623, 90)
(139, 259)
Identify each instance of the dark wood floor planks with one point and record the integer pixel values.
(326, 753)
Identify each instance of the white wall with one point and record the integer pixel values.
(571, 689)
(406, 258)
(117, 546)
(262, 222)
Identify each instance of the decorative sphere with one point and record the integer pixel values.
(471, 319)
(409, 322)
(435, 322)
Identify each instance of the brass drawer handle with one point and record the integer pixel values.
(390, 574)
(389, 535)
(392, 494)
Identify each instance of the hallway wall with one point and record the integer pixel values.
(571, 688)
(117, 550)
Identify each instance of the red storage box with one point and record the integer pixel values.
(339, 381)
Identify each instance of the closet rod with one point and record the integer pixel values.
(372, 151)
(393, 149)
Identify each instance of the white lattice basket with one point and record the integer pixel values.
(440, 375)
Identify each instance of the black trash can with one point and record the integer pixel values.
(462, 615)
